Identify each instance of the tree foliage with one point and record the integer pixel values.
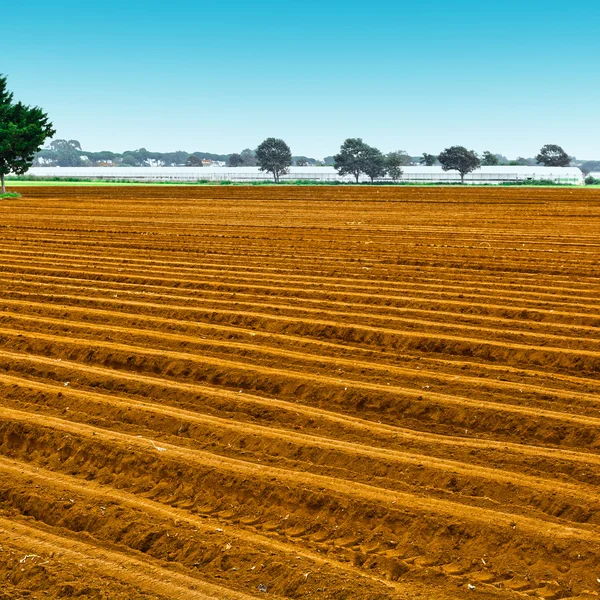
(274, 156)
(489, 159)
(590, 166)
(249, 158)
(23, 131)
(356, 157)
(460, 159)
(375, 165)
(350, 160)
(235, 160)
(404, 158)
(193, 161)
(428, 159)
(394, 163)
(521, 162)
(67, 153)
(552, 155)
(172, 159)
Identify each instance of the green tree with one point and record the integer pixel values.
(235, 160)
(45, 158)
(193, 161)
(67, 153)
(174, 159)
(249, 158)
(301, 162)
(394, 163)
(489, 159)
(589, 166)
(128, 161)
(405, 159)
(428, 159)
(274, 156)
(460, 159)
(552, 155)
(131, 158)
(374, 164)
(102, 157)
(23, 131)
(350, 160)
(520, 162)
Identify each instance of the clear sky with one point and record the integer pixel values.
(221, 76)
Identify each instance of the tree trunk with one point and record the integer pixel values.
(462, 178)
(357, 175)
(2, 180)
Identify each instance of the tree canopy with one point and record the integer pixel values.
(193, 161)
(23, 131)
(428, 159)
(552, 155)
(489, 159)
(590, 165)
(275, 156)
(235, 160)
(350, 160)
(375, 165)
(249, 157)
(394, 163)
(460, 159)
(68, 153)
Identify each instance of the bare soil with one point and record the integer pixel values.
(335, 393)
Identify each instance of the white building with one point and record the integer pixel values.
(419, 174)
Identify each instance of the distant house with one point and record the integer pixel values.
(207, 163)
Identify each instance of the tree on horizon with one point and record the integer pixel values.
(350, 160)
(395, 161)
(458, 158)
(274, 156)
(428, 159)
(489, 159)
(23, 131)
(552, 155)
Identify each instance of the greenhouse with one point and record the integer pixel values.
(416, 174)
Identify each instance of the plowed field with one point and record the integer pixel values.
(336, 393)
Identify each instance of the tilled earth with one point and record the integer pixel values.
(300, 392)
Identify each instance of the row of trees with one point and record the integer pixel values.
(549, 158)
(69, 153)
(357, 158)
(24, 129)
(247, 158)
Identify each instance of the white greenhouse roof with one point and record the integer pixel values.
(212, 173)
(85, 171)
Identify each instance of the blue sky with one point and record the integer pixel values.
(221, 76)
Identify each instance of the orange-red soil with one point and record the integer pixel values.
(335, 393)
